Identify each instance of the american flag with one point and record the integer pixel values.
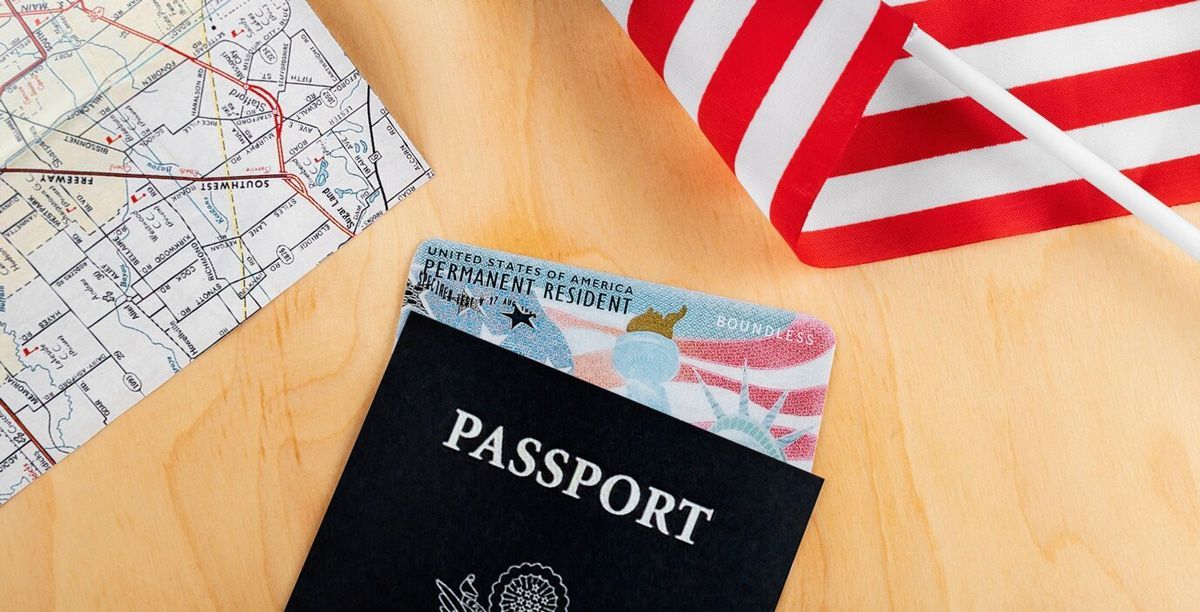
(859, 152)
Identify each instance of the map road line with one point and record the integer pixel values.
(29, 435)
(276, 109)
(32, 38)
(148, 177)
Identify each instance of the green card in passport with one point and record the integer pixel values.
(754, 374)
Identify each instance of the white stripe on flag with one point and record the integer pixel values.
(798, 93)
(1053, 54)
(604, 318)
(620, 10)
(1000, 169)
(812, 373)
(702, 40)
(588, 339)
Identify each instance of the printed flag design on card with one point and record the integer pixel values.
(752, 374)
(782, 378)
(860, 153)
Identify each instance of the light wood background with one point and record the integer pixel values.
(1010, 425)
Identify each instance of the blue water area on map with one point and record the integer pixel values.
(323, 173)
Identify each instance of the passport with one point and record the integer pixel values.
(483, 481)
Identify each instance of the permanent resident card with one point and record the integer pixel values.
(752, 374)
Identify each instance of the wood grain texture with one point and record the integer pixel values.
(1010, 425)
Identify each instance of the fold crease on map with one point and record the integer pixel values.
(168, 169)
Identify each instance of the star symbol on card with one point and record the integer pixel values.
(468, 302)
(520, 317)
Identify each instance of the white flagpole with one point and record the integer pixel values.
(1038, 129)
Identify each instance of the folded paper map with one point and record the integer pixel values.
(166, 169)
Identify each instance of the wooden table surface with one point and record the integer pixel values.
(1012, 424)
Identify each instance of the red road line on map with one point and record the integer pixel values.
(35, 12)
(276, 109)
(32, 38)
(57, 11)
(292, 180)
(148, 177)
(25, 429)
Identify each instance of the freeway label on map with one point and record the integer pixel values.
(167, 168)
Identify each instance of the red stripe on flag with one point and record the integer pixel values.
(597, 368)
(799, 402)
(801, 341)
(567, 320)
(652, 26)
(822, 147)
(748, 69)
(1173, 182)
(1070, 103)
(961, 23)
(804, 448)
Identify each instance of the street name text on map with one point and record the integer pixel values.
(167, 168)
